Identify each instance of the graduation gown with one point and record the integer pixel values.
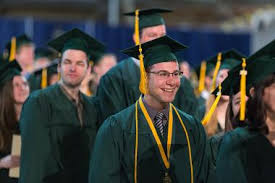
(119, 88)
(246, 157)
(55, 147)
(113, 156)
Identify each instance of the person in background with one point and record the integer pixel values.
(117, 92)
(216, 124)
(98, 66)
(44, 77)
(21, 48)
(58, 124)
(14, 90)
(185, 68)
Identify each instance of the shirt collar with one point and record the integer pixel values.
(152, 112)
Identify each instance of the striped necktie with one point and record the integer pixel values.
(159, 121)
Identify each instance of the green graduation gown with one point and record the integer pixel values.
(245, 157)
(119, 88)
(113, 155)
(55, 147)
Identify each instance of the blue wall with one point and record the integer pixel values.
(202, 43)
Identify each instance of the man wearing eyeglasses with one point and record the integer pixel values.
(152, 140)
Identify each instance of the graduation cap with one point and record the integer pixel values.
(225, 60)
(149, 17)
(8, 70)
(96, 57)
(78, 40)
(45, 52)
(156, 51)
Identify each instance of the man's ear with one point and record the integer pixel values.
(252, 91)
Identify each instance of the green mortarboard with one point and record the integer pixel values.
(158, 50)
(78, 40)
(256, 71)
(96, 56)
(150, 17)
(229, 59)
(45, 52)
(8, 70)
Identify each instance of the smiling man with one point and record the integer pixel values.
(151, 140)
(58, 124)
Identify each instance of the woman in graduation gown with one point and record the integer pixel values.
(14, 90)
(248, 154)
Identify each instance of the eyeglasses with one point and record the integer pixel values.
(165, 74)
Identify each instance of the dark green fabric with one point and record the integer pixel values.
(162, 49)
(113, 155)
(55, 148)
(214, 144)
(245, 157)
(119, 88)
(149, 17)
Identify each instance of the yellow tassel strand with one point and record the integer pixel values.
(143, 76)
(44, 78)
(202, 76)
(218, 64)
(12, 49)
(243, 74)
(208, 116)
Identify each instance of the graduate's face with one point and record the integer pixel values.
(236, 103)
(151, 33)
(73, 67)
(269, 98)
(162, 90)
(21, 89)
(25, 55)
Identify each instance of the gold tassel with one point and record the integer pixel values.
(143, 77)
(243, 74)
(202, 76)
(12, 49)
(218, 64)
(44, 79)
(208, 116)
